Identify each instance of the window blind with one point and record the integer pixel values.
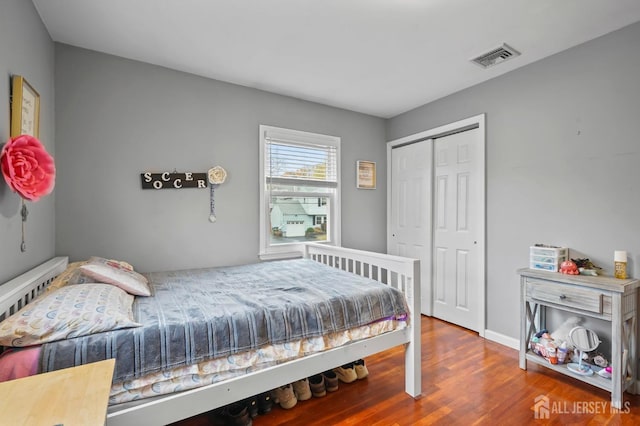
(291, 163)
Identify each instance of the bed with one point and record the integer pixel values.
(397, 272)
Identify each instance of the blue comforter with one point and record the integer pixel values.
(199, 314)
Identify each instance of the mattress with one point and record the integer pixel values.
(22, 362)
(194, 316)
(217, 370)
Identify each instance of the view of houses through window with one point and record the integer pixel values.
(298, 219)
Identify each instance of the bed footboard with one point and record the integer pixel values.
(398, 272)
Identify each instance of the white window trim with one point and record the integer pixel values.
(283, 251)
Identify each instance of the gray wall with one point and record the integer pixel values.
(116, 118)
(563, 149)
(25, 49)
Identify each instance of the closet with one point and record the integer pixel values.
(436, 213)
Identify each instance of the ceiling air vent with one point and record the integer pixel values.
(496, 56)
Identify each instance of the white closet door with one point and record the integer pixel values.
(410, 232)
(456, 228)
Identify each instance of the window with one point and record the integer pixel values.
(299, 190)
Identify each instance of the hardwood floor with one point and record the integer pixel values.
(466, 380)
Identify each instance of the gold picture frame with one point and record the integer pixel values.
(365, 174)
(25, 108)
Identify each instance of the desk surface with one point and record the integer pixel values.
(600, 282)
(69, 397)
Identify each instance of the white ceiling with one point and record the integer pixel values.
(379, 57)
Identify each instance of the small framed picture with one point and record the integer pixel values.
(25, 108)
(366, 175)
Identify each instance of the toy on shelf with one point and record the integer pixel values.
(605, 372)
(569, 267)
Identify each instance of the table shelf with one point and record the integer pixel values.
(594, 379)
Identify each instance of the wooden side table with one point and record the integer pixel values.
(610, 299)
(73, 396)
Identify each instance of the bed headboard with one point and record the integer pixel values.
(22, 289)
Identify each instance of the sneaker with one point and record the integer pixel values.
(346, 373)
(236, 414)
(316, 384)
(361, 369)
(252, 406)
(302, 389)
(330, 381)
(265, 403)
(286, 397)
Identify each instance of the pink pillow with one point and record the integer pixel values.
(18, 363)
(116, 273)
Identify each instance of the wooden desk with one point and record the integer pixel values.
(69, 397)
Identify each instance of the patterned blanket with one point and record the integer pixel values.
(200, 314)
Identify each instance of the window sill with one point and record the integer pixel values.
(280, 255)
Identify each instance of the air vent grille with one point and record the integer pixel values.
(496, 56)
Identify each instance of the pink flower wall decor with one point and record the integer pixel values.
(27, 167)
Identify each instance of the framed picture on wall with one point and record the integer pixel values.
(25, 108)
(366, 175)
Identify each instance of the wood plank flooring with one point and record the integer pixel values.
(466, 380)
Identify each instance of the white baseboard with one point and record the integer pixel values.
(502, 339)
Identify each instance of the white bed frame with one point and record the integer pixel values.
(399, 272)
